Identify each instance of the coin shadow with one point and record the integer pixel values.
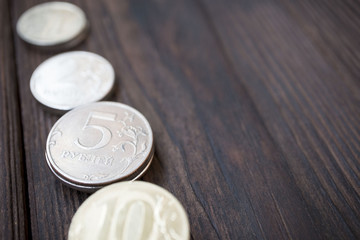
(111, 96)
(155, 173)
(80, 42)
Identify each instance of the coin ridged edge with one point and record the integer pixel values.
(93, 188)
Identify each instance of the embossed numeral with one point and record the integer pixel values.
(105, 132)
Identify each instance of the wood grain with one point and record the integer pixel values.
(315, 115)
(13, 205)
(254, 107)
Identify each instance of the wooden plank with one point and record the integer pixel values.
(216, 125)
(248, 135)
(321, 21)
(13, 205)
(307, 108)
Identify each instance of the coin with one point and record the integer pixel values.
(53, 24)
(98, 144)
(71, 79)
(130, 210)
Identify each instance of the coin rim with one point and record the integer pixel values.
(43, 101)
(80, 34)
(144, 165)
(89, 188)
(138, 173)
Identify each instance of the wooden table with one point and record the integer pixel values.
(254, 106)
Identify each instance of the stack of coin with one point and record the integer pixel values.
(100, 143)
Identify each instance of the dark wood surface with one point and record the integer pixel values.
(255, 108)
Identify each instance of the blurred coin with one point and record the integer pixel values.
(71, 79)
(53, 24)
(130, 211)
(98, 144)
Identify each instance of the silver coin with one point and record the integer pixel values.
(52, 24)
(70, 79)
(98, 144)
(130, 210)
